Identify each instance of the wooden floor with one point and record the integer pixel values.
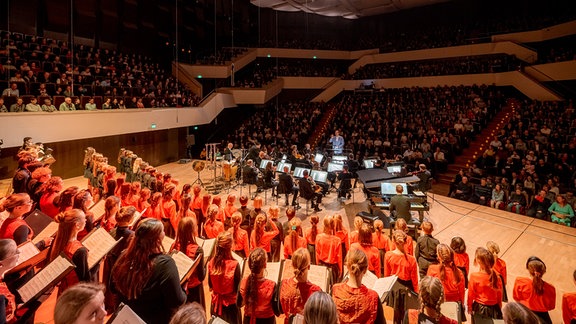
(518, 236)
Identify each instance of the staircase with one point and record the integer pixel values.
(322, 126)
(479, 144)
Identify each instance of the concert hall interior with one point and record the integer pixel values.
(448, 118)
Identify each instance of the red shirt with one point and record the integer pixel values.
(408, 246)
(404, 266)
(308, 236)
(355, 305)
(223, 288)
(241, 240)
(568, 307)
(329, 249)
(414, 313)
(462, 260)
(453, 290)
(373, 257)
(265, 239)
(293, 296)
(343, 236)
(381, 242)
(72, 278)
(288, 251)
(500, 267)
(263, 307)
(47, 205)
(213, 228)
(481, 291)
(524, 293)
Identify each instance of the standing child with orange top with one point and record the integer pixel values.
(186, 243)
(276, 243)
(358, 221)
(534, 293)
(401, 225)
(295, 291)
(569, 305)
(451, 277)
(293, 240)
(381, 242)
(365, 244)
(499, 267)
(257, 292)
(213, 227)
(484, 289)
(356, 303)
(223, 278)
(398, 262)
(329, 249)
(260, 237)
(341, 232)
(461, 258)
(241, 243)
(310, 235)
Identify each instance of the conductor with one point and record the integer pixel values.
(337, 142)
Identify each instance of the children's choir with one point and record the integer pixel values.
(141, 274)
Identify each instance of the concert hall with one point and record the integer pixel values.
(287, 161)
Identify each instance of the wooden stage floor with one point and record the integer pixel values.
(518, 236)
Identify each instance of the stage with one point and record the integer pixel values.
(518, 236)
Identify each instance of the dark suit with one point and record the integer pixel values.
(286, 186)
(400, 207)
(307, 191)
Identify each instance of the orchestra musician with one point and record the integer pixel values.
(309, 190)
(228, 156)
(286, 186)
(250, 173)
(253, 151)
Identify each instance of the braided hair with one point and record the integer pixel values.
(256, 263)
(431, 293)
(485, 260)
(446, 258)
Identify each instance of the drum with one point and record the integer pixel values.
(227, 170)
(234, 173)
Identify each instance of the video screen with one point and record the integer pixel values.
(335, 167)
(339, 159)
(389, 188)
(319, 176)
(264, 163)
(319, 157)
(369, 163)
(394, 168)
(299, 172)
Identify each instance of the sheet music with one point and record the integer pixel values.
(217, 320)
(98, 209)
(273, 271)
(183, 263)
(208, 247)
(369, 279)
(167, 243)
(298, 319)
(384, 285)
(44, 278)
(48, 231)
(125, 315)
(240, 261)
(136, 218)
(98, 243)
(27, 251)
(317, 275)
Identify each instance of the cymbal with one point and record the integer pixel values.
(198, 165)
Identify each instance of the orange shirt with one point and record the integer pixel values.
(197, 202)
(568, 307)
(288, 251)
(453, 290)
(263, 307)
(355, 305)
(373, 256)
(500, 267)
(381, 241)
(343, 236)
(329, 249)
(156, 213)
(212, 229)
(353, 237)
(229, 210)
(524, 293)
(293, 296)
(308, 236)
(480, 290)
(462, 260)
(404, 266)
(265, 239)
(408, 246)
(241, 240)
